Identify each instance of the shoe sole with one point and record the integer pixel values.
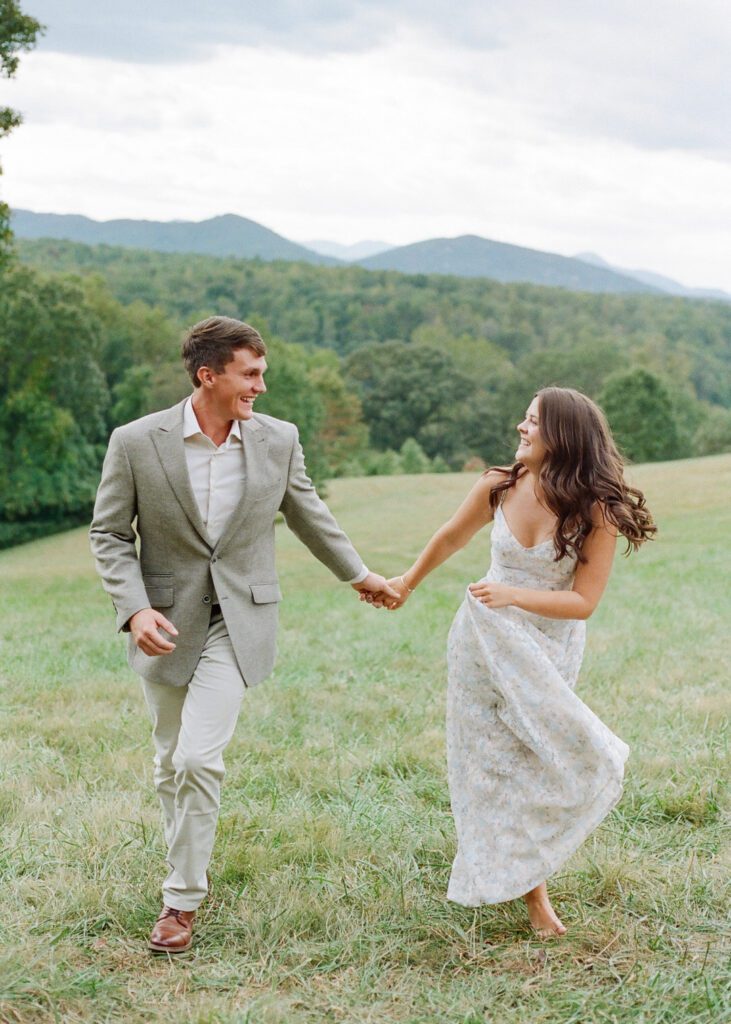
(155, 948)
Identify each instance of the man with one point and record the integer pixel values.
(203, 482)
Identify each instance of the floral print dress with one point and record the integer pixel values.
(532, 770)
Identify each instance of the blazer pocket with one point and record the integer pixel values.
(265, 593)
(160, 588)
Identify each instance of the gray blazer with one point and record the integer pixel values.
(145, 483)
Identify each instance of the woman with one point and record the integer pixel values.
(532, 771)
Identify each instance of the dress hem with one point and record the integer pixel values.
(605, 808)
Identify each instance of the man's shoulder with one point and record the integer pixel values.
(145, 424)
(275, 427)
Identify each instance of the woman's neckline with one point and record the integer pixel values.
(525, 547)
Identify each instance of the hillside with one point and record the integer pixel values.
(336, 839)
(472, 256)
(227, 235)
(346, 307)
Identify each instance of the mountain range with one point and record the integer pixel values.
(472, 256)
(227, 235)
(464, 256)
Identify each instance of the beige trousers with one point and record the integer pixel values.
(191, 727)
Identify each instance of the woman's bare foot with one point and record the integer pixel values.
(543, 918)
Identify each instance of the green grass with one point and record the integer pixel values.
(335, 841)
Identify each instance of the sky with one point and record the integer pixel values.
(563, 125)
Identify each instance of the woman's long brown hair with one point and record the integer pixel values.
(582, 467)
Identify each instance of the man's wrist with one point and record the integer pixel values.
(364, 572)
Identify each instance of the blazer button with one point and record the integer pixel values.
(206, 599)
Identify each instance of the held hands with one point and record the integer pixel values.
(145, 627)
(376, 591)
(404, 591)
(394, 597)
(494, 595)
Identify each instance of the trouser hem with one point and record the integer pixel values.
(180, 904)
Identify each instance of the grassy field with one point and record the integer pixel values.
(335, 841)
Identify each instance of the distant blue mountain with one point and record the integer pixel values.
(472, 256)
(350, 253)
(665, 284)
(227, 235)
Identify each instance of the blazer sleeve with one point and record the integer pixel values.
(309, 518)
(112, 536)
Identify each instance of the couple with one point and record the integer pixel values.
(532, 771)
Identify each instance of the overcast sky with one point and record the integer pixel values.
(564, 125)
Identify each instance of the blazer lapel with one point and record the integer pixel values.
(168, 440)
(256, 447)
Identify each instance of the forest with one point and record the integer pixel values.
(383, 372)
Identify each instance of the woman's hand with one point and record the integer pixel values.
(494, 595)
(397, 584)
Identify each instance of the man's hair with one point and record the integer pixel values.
(213, 341)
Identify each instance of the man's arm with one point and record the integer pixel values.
(112, 537)
(313, 523)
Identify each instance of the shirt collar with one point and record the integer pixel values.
(191, 426)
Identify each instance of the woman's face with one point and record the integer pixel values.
(531, 450)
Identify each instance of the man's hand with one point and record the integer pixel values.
(145, 628)
(376, 591)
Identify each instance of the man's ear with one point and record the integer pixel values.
(205, 375)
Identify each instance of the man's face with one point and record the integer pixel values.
(233, 392)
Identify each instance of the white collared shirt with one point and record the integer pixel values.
(217, 474)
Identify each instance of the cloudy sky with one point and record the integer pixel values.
(564, 125)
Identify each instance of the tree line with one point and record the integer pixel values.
(382, 372)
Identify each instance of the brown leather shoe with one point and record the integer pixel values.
(173, 931)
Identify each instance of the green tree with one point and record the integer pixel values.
(640, 413)
(714, 432)
(139, 353)
(343, 435)
(132, 394)
(412, 391)
(18, 32)
(585, 367)
(413, 457)
(386, 463)
(53, 403)
(290, 396)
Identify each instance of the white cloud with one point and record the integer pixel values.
(405, 141)
(655, 74)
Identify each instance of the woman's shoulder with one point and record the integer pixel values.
(501, 478)
(496, 474)
(491, 478)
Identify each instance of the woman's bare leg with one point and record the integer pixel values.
(541, 914)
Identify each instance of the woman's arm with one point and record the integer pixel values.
(471, 516)
(577, 603)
